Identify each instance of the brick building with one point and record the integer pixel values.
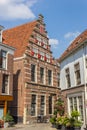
(6, 75)
(73, 75)
(35, 71)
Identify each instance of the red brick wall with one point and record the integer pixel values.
(18, 88)
(22, 92)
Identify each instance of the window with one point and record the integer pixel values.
(42, 55)
(42, 105)
(38, 38)
(3, 59)
(50, 104)
(33, 72)
(71, 104)
(68, 78)
(58, 79)
(41, 75)
(77, 74)
(86, 62)
(33, 105)
(48, 57)
(80, 106)
(76, 103)
(49, 77)
(5, 85)
(35, 50)
(45, 41)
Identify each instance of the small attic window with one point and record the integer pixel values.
(1, 28)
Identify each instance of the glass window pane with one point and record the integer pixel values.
(42, 105)
(50, 104)
(42, 75)
(32, 72)
(33, 105)
(49, 77)
(5, 84)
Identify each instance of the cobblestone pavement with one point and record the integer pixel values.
(37, 126)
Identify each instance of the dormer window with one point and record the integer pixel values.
(1, 27)
(3, 59)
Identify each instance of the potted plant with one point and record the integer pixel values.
(8, 120)
(77, 124)
(72, 122)
(53, 121)
(59, 122)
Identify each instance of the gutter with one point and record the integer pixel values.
(73, 50)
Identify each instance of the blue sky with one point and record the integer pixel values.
(65, 19)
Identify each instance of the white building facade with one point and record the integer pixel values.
(73, 77)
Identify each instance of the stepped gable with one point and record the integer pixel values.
(82, 37)
(18, 37)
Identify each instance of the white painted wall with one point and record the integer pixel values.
(69, 62)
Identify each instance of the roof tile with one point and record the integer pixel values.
(74, 44)
(18, 37)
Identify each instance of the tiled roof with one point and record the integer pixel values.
(78, 41)
(18, 37)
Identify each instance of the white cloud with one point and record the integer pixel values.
(71, 34)
(16, 9)
(54, 43)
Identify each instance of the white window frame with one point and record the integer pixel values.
(48, 58)
(42, 55)
(51, 78)
(4, 65)
(68, 74)
(75, 71)
(7, 92)
(44, 104)
(35, 105)
(35, 52)
(76, 95)
(35, 73)
(43, 75)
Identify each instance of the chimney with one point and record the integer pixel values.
(1, 28)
